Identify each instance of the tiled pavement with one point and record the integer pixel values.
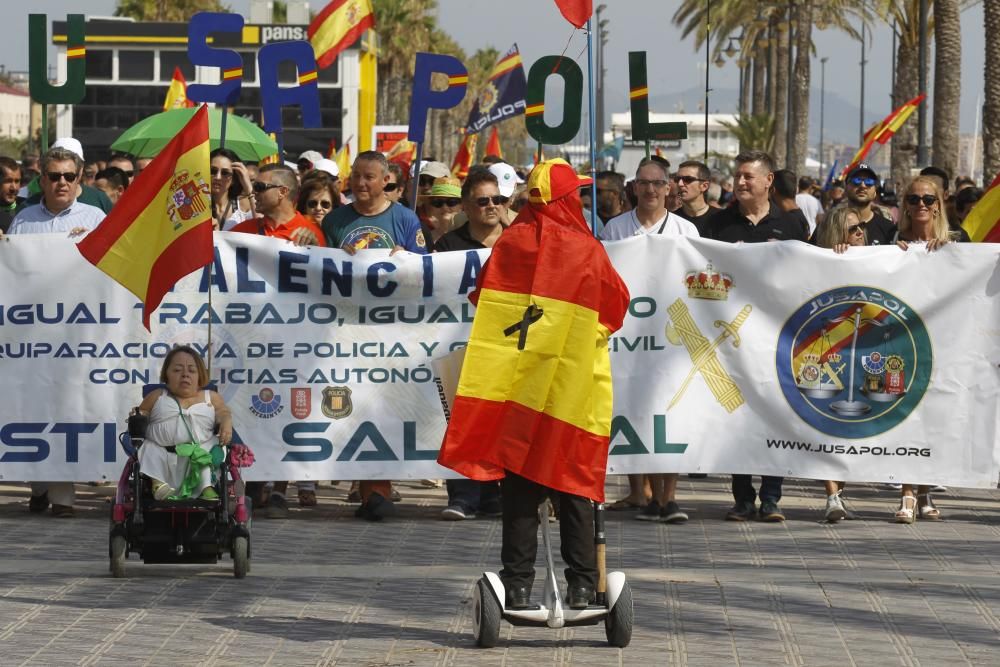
(328, 589)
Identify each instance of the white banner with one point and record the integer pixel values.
(775, 358)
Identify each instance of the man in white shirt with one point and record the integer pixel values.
(59, 210)
(650, 216)
(809, 205)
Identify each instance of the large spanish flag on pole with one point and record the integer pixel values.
(982, 224)
(882, 132)
(161, 228)
(534, 397)
(339, 25)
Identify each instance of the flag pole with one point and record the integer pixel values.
(593, 128)
(222, 126)
(416, 175)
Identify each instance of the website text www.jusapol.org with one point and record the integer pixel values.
(848, 450)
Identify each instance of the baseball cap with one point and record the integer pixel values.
(435, 169)
(553, 179)
(862, 168)
(312, 156)
(70, 144)
(507, 178)
(327, 165)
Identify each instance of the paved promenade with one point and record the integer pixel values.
(327, 589)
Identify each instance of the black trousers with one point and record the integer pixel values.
(770, 488)
(520, 498)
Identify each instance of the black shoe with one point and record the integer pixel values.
(769, 512)
(376, 509)
(518, 598)
(651, 512)
(38, 504)
(742, 511)
(672, 513)
(579, 597)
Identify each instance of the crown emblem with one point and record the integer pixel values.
(708, 284)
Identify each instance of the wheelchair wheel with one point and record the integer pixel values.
(118, 546)
(241, 557)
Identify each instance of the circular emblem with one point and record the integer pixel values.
(854, 362)
(266, 394)
(488, 98)
(367, 237)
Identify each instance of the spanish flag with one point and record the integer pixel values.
(882, 132)
(161, 228)
(493, 145)
(982, 224)
(464, 156)
(177, 92)
(403, 153)
(343, 160)
(338, 26)
(534, 397)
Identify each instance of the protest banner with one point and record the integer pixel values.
(854, 370)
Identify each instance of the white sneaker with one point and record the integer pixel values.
(834, 509)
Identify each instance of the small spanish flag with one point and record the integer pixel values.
(343, 160)
(177, 92)
(339, 25)
(493, 145)
(161, 228)
(534, 397)
(464, 156)
(982, 224)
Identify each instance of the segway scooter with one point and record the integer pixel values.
(613, 604)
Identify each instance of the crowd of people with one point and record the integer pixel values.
(310, 204)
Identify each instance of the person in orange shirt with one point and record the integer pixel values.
(276, 191)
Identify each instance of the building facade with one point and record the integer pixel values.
(130, 65)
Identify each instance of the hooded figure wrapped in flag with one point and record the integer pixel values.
(533, 405)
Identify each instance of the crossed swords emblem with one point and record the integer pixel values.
(682, 330)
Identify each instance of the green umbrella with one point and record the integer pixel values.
(148, 137)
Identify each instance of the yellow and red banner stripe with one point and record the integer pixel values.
(339, 25)
(161, 228)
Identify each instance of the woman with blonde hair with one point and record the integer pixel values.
(840, 229)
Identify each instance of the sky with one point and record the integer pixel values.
(539, 30)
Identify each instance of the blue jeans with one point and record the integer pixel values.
(770, 489)
(472, 495)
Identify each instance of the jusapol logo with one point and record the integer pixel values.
(854, 362)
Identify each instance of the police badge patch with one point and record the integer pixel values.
(337, 402)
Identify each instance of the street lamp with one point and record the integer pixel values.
(822, 109)
(602, 34)
(708, 57)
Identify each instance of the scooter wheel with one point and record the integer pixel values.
(241, 557)
(486, 615)
(618, 622)
(117, 553)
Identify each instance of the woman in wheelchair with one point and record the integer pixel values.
(180, 451)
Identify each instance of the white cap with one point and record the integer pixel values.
(70, 144)
(507, 178)
(312, 156)
(435, 169)
(327, 165)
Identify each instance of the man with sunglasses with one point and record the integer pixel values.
(276, 191)
(125, 163)
(692, 180)
(84, 193)
(861, 190)
(59, 209)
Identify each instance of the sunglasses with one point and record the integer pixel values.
(319, 203)
(928, 200)
(260, 187)
(497, 200)
(225, 173)
(687, 180)
(438, 203)
(390, 187)
(854, 229)
(54, 176)
(645, 182)
(868, 182)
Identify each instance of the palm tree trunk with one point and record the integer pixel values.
(947, 84)
(745, 88)
(904, 142)
(991, 106)
(781, 95)
(800, 88)
(759, 74)
(772, 69)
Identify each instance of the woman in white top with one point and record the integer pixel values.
(231, 190)
(182, 413)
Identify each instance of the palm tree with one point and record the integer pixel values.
(947, 84)
(991, 108)
(404, 27)
(801, 75)
(755, 132)
(166, 10)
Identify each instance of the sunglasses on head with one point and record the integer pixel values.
(54, 176)
(498, 200)
(866, 181)
(438, 203)
(225, 173)
(261, 187)
(319, 203)
(687, 180)
(390, 187)
(928, 200)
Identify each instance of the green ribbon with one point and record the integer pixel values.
(198, 459)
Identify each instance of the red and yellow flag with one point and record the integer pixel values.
(493, 145)
(339, 25)
(464, 156)
(403, 153)
(343, 160)
(161, 228)
(534, 397)
(982, 224)
(882, 132)
(177, 92)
